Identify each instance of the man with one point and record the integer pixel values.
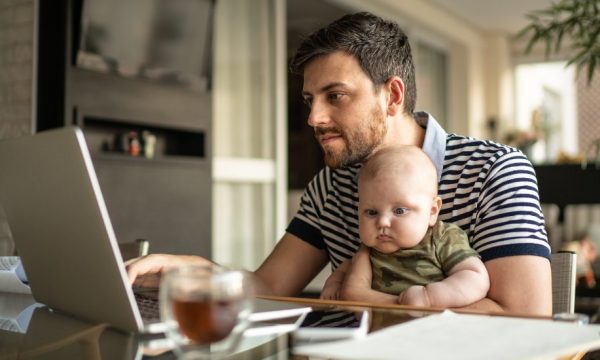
(359, 85)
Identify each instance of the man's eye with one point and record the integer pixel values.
(334, 96)
(400, 211)
(371, 212)
(307, 101)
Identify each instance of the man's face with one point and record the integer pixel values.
(346, 112)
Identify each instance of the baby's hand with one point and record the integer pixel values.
(415, 296)
(331, 291)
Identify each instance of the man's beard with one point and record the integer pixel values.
(360, 141)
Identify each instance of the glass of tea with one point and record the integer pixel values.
(206, 309)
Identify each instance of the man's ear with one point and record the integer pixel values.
(395, 95)
(436, 205)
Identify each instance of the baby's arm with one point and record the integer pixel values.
(333, 284)
(357, 286)
(466, 283)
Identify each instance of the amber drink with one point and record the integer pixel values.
(206, 308)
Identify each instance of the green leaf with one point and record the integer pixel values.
(559, 37)
(548, 42)
(579, 19)
(532, 42)
(594, 35)
(525, 31)
(580, 55)
(591, 67)
(531, 16)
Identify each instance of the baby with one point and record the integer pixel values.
(407, 255)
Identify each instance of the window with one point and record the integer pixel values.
(546, 111)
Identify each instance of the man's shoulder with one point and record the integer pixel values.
(460, 147)
(458, 143)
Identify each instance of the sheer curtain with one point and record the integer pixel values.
(248, 130)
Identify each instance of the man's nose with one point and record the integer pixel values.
(318, 115)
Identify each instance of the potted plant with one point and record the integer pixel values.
(577, 19)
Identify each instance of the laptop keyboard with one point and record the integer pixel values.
(148, 306)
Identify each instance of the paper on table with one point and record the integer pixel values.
(16, 311)
(458, 336)
(12, 276)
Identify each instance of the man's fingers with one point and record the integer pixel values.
(155, 264)
(145, 265)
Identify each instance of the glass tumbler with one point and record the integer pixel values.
(206, 309)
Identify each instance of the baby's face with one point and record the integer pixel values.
(394, 212)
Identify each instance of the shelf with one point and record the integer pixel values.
(109, 137)
(159, 160)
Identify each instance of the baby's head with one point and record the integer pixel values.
(398, 201)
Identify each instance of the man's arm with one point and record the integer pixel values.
(510, 227)
(466, 283)
(292, 264)
(518, 284)
(357, 286)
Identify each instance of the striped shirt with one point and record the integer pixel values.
(487, 189)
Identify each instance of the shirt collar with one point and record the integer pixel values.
(434, 144)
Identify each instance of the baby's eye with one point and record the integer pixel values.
(400, 211)
(371, 212)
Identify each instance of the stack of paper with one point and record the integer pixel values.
(12, 276)
(457, 336)
(16, 311)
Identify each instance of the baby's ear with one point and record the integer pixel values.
(436, 205)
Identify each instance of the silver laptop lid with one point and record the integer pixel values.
(61, 228)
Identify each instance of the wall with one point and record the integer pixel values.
(16, 82)
(499, 85)
(588, 109)
(16, 62)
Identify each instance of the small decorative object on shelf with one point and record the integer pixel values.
(121, 143)
(149, 140)
(134, 143)
(132, 140)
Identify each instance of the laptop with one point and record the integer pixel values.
(62, 230)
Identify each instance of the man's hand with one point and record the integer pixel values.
(139, 270)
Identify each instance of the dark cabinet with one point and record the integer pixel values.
(568, 184)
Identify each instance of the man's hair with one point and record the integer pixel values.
(381, 47)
